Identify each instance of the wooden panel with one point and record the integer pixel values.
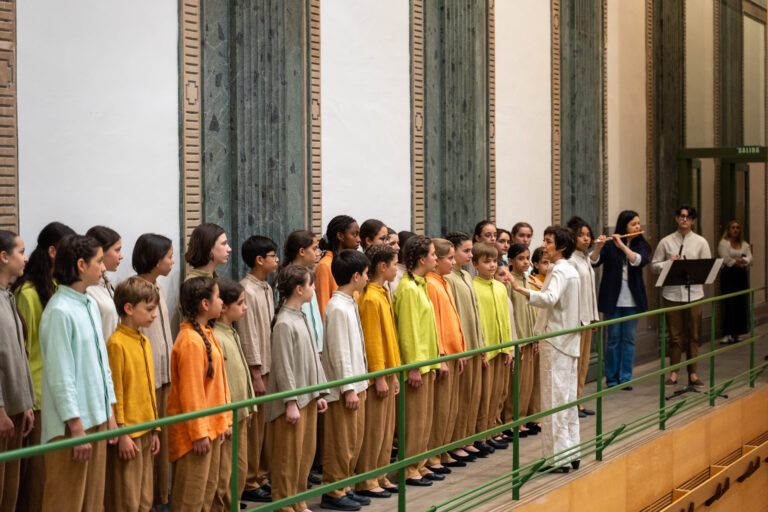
(191, 135)
(690, 450)
(655, 483)
(315, 187)
(755, 408)
(491, 63)
(556, 133)
(590, 493)
(417, 116)
(724, 431)
(9, 165)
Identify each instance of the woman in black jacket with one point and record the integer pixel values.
(622, 292)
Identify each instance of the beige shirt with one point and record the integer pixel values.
(465, 297)
(16, 391)
(254, 328)
(161, 341)
(295, 361)
(343, 345)
(587, 297)
(695, 247)
(238, 376)
(104, 296)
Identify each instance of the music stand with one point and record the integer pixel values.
(688, 273)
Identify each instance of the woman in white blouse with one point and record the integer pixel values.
(104, 292)
(737, 257)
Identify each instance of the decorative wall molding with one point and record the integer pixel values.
(417, 117)
(9, 147)
(604, 135)
(491, 63)
(556, 136)
(314, 111)
(650, 174)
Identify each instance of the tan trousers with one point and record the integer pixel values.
(193, 488)
(257, 453)
(76, 486)
(446, 399)
(342, 442)
(129, 482)
(32, 478)
(584, 354)
(162, 467)
(501, 376)
(378, 433)
(222, 500)
(292, 448)
(525, 382)
(9, 471)
(470, 389)
(418, 421)
(683, 333)
(484, 407)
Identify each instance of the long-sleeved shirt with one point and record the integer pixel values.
(729, 254)
(130, 359)
(104, 296)
(238, 376)
(325, 284)
(525, 315)
(694, 247)
(449, 334)
(587, 296)
(77, 382)
(493, 305)
(344, 354)
(31, 309)
(558, 303)
(315, 319)
(161, 340)
(17, 394)
(379, 332)
(295, 362)
(392, 285)
(254, 328)
(466, 305)
(415, 322)
(192, 390)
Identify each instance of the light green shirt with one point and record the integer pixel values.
(493, 305)
(31, 309)
(415, 322)
(238, 375)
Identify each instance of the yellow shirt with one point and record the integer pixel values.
(378, 321)
(31, 309)
(415, 321)
(493, 305)
(130, 359)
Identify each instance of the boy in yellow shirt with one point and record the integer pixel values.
(129, 462)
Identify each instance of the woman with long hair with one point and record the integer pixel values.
(737, 258)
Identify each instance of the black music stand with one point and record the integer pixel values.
(688, 273)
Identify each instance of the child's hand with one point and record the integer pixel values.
(510, 359)
(202, 446)
(82, 452)
(462, 364)
(397, 386)
(322, 405)
(536, 348)
(259, 389)
(443, 370)
(226, 435)
(126, 448)
(155, 446)
(414, 378)
(29, 423)
(382, 389)
(350, 400)
(6, 424)
(486, 364)
(112, 425)
(292, 415)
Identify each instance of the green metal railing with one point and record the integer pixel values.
(520, 475)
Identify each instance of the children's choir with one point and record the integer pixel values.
(110, 359)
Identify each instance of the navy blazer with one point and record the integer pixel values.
(612, 258)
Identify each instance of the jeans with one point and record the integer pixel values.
(620, 354)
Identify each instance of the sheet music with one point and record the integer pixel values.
(664, 272)
(715, 269)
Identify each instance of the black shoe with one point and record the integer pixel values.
(393, 489)
(267, 487)
(243, 506)
(498, 444)
(628, 388)
(582, 414)
(358, 498)
(433, 476)
(533, 427)
(509, 432)
(588, 412)
(575, 464)
(418, 482)
(342, 503)
(259, 495)
(525, 433)
(315, 478)
(455, 464)
(696, 383)
(561, 469)
(439, 471)
(471, 457)
(483, 447)
(373, 494)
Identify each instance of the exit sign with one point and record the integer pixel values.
(748, 150)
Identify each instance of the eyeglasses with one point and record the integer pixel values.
(271, 255)
(686, 217)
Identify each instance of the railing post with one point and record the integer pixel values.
(401, 443)
(515, 417)
(752, 337)
(712, 357)
(662, 397)
(599, 408)
(233, 485)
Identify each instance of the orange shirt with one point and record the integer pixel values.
(191, 390)
(325, 284)
(449, 334)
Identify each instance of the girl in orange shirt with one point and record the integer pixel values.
(198, 381)
(342, 233)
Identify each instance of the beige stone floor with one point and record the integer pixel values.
(618, 408)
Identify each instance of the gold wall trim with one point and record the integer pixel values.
(315, 146)
(491, 42)
(191, 99)
(417, 116)
(604, 135)
(716, 104)
(754, 11)
(556, 140)
(9, 140)
(650, 174)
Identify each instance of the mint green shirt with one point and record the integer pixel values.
(77, 382)
(415, 322)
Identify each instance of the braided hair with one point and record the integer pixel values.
(416, 247)
(193, 291)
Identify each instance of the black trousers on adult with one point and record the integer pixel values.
(735, 310)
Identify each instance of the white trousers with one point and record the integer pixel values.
(558, 375)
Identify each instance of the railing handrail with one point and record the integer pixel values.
(161, 422)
